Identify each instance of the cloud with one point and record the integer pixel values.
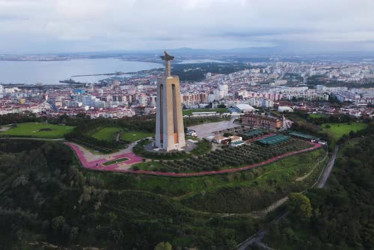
(80, 25)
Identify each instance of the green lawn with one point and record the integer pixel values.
(218, 110)
(132, 136)
(340, 129)
(316, 116)
(114, 161)
(106, 134)
(109, 133)
(38, 130)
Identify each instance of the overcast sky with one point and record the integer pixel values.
(44, 26)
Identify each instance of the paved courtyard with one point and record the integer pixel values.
(207, 129)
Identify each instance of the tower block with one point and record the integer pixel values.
(169, 119)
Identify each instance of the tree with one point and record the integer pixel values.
(58, 222)
(299, 205)
(368, 235)
(163, 246)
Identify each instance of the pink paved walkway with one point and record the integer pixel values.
(98, 164)
(132, 159)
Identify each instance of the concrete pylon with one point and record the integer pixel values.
(169, 119)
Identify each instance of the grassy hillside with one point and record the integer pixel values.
(46, 197)
(259, 188)
(342, 216)
(340, 129)
(273, 181)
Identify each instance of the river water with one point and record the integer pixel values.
(51, 72)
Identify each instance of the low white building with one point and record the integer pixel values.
(244, 107)
(283, 109)
(191, 132)
(236, 141)
(219, 138)
(278, 83)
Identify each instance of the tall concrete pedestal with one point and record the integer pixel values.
(169, 118)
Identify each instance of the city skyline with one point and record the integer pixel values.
(40, 26)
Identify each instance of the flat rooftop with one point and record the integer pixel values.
(303, 136)
(275, 139)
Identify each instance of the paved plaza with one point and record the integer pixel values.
(96, 162)
(207, 129)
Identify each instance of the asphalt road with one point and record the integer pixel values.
(257, 238)
(328, 170)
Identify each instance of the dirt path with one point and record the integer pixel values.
(301, 178)
(5, 128)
